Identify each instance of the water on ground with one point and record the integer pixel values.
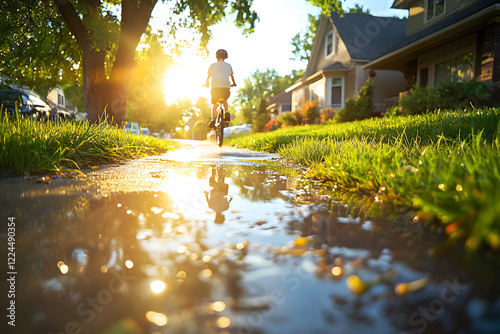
(209, 240)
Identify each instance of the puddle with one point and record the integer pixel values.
(232, 248)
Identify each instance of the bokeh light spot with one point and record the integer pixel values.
(157, 286)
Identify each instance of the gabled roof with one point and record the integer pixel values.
(283, 97)
(337, 66)
(366, 37)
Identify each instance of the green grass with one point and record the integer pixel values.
(30, 146)
(443, 166)
(427, 127)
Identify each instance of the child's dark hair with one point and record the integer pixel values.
(221, 54)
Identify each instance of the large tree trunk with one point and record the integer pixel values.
(94, 84)
(106, 98)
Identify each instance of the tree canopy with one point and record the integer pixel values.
(46, 42)
(258, 88)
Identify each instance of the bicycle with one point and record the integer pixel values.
(220, 122)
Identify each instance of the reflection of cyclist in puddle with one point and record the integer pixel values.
(217, 198)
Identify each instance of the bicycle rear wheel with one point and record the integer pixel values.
(220, 127)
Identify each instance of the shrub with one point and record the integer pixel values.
(326, 114)
(272, 125)
(292, 118)
(200, 130)
(287, 119)
(360, 108)
(260, 122)
(309, 112)
(446, 95)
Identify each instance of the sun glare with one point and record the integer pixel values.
(186, 78)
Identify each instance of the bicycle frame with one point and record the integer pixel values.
(220, 123)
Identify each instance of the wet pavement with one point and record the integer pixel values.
(223, 240)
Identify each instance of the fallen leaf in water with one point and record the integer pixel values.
(404, 288)
(44, 179)
(94, 167)
(449, 229)
(260, 222)
(300, 242)
(356, 285)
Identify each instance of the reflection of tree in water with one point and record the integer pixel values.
(95, 240)
(258, 183)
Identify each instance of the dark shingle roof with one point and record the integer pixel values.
(335, 67)
(281, 98)
(367, 36)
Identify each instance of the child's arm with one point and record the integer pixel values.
(208, 81)
(234, 82)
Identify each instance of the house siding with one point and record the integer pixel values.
(350, 84)
(342, 55)
(415, 17)
(417, 20)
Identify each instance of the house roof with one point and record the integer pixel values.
(366, 37)
(337, 66)
(281, 98)
(401, 4)
(440, 27)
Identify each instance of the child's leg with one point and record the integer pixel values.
(225, 105)
(214, 111)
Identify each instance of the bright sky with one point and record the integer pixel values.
(268, 47)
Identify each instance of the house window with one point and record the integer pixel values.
(424, 77)
(60, 100)
(330, 44)
(337, 93)
(317, 92)
(434, 8)
(456, 69)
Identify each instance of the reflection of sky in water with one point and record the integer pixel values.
(154, 260)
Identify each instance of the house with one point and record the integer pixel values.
(341, 47)
(280, 103)
(56, 98)
(446, 40)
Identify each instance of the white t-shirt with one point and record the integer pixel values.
(220, 73)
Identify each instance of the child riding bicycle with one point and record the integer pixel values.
(220, 73)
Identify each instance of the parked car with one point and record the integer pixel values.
(227, 132)
(132, 127)
(244, 128)
(61, 115)
(145, 131)
(26, 104)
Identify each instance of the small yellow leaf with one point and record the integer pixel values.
(356, 285)
(300, 242)
(404, 288)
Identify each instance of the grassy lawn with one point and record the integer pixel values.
(444, 167)
(31, 146)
